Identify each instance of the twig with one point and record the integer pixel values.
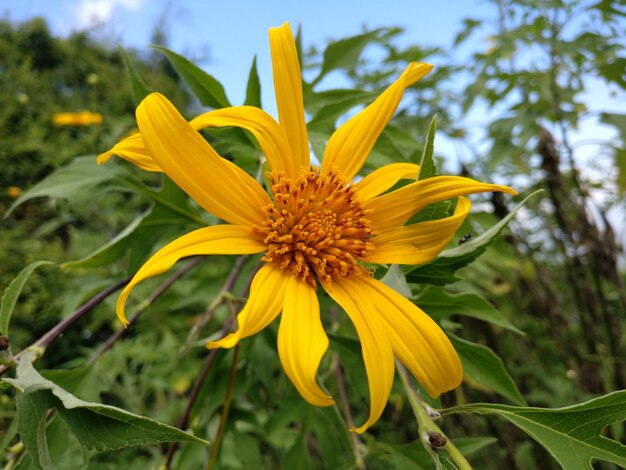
(355, 441)
(227, 401)
(56, 331)
(158, 292)
(183, 421)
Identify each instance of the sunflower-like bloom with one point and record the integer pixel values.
(84, 118)
(315, 228)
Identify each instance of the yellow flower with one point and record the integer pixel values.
(84, 118)
(316, 227)
(14, 192)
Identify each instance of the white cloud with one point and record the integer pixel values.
(92, 12)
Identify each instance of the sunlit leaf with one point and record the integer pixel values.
(207, 89)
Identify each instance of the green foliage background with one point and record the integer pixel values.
(537, 318)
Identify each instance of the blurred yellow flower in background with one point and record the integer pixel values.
(84, 118)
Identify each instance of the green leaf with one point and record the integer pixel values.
(428, 168)
(76, 181)
(339, 102)
(394, 278)
(96, 426)
(253, 90)
(483, 367)
(139, 87)
(571, 434)
(170, 216)
(345, 53)
(441, 304)
(31, 425)
(11, 294)
(442, 270)
(209, 91)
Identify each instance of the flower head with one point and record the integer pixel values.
(316, 227)
(84, 118)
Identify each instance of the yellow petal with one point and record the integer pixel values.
(267, 294)
(302, 341)
(217, 185)
(393, 209)
(375, 344)
(416, 339)
(288, 90)
(417, 243)
(268, 133)
(215, 240)
(132, 149)
(382, 179)
(350, 145)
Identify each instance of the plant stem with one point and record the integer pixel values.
(182, 423)
(59, 328)
(426, 424)
(227, 401)
(353, 437)
(158, 292)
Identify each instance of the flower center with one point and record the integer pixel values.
(316, 226)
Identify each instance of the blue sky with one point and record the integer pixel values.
(232, 32)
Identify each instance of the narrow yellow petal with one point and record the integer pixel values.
(375, 344)
(267, 294)
(215, 240)
(416, 339)
(217, 185)
(383, 178)
(302, 341)
(132, 149)
(393, 209)
(350, 145)
(268, 133)
(417, 243)
(288, 90)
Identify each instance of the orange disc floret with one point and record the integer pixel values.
(316, 226)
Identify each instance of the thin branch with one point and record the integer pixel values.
(158, 292)
(59, 328)
(227, 401)
(184, 420)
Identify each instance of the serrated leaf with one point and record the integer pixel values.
(442, 270)
(571, 434)
(441, 304)
(12, 292)
(76, 181)
(207, 89)
(253, 89)
(96, 426)
(139, 87)
(483, 367)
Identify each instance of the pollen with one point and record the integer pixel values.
(316, 227)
